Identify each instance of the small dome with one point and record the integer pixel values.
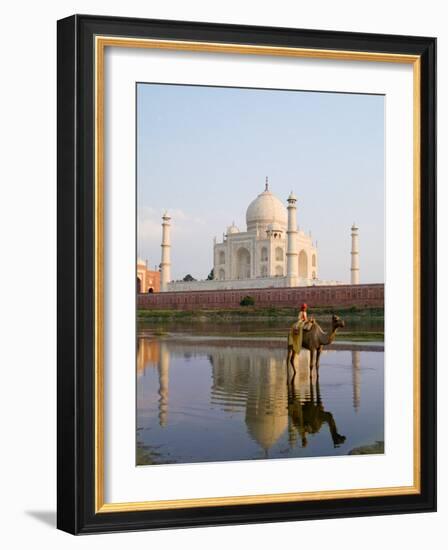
(264, 210)
(232, 229)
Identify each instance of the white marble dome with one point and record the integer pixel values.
(265, 210)
(232, 229)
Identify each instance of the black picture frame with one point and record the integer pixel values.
(76, 285)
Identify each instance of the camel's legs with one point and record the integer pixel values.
(311, 362)
(335, 436)
(292, 356)
(288, 357)
(318, 351)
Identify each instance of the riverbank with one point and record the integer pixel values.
(361, 325)
(251, 313)
(376, 448)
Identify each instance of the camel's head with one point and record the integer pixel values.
(337, 322)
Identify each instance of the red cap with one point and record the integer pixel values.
(303, 306)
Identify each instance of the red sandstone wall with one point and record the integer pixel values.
(340, 295)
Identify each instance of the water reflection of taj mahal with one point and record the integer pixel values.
(253, 383)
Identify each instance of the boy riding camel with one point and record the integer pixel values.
(296, 331)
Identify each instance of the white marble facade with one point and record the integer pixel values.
(272, 252)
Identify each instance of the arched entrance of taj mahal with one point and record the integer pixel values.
(243, 264)
(303, 264)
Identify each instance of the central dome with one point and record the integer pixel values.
(266, 209)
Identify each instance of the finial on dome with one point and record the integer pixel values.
(266, 186)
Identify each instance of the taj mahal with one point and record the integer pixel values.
(271, 247)
(272, 252)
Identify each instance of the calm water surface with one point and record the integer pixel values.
(206, 398)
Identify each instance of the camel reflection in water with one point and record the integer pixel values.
(273, 404)
(308, 415)
(252, 381)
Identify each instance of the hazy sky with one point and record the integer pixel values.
(203, 154)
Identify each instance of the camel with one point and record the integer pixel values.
(313, 340)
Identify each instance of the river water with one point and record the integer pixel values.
(204, 397)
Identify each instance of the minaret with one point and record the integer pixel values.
(165, 264)
(354, 270)
(292, 256)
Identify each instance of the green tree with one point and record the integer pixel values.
(188, 278)
(247, 301)
(211, 275)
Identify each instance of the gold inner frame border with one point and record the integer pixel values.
(100, 44)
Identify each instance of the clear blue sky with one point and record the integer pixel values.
(203, 154)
